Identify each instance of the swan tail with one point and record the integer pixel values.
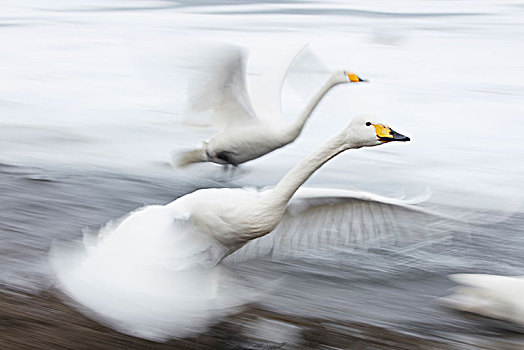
(190, 157)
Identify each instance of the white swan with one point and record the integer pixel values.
(494, 296)
(246, 134)
(232, 217)
(156, 273)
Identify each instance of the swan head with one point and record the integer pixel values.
(364, 131)
(344, 76)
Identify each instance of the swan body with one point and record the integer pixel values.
(247, 135)
(240, 144)
(232, 217)
(499, 297)
(157, 273)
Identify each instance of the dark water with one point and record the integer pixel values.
(393, 288)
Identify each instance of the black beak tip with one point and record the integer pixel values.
(407, 139)
(363, 80)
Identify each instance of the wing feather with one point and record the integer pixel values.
(334, 219)
(221, 88)
(266, 90)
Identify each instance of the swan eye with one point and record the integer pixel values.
(368, 124)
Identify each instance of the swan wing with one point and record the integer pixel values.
(221, 89)
(319, 218)
(307, 73)
(267, 85)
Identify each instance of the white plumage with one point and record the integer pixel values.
(247, 134)
(156, 272)
(499, 297)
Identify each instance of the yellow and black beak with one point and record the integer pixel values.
(353, 78)
(386, 134)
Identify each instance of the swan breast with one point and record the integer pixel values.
(232, 216)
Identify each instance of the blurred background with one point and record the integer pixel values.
(92, 107)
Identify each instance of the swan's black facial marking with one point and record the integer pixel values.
(368, 123)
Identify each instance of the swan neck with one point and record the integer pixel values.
(290, 183)
(296, 128)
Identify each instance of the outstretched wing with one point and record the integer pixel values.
(338, 219)
(307, 74)
(221, 89)
(266, 85)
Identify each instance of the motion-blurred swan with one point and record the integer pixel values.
(247, 134)
(233, 217)
(499, 297)
(155, 274)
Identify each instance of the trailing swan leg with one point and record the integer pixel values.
(232, 172)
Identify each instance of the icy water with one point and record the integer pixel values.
(91, 107)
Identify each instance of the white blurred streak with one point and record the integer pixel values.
(155, 303)
(274, 332)
(152, 303)
(308, 72)
(499, 297)
(273, 65)
(148, 276)
(220, 87)
(223, 83)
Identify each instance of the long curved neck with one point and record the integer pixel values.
(296, 128)
(290, 183)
